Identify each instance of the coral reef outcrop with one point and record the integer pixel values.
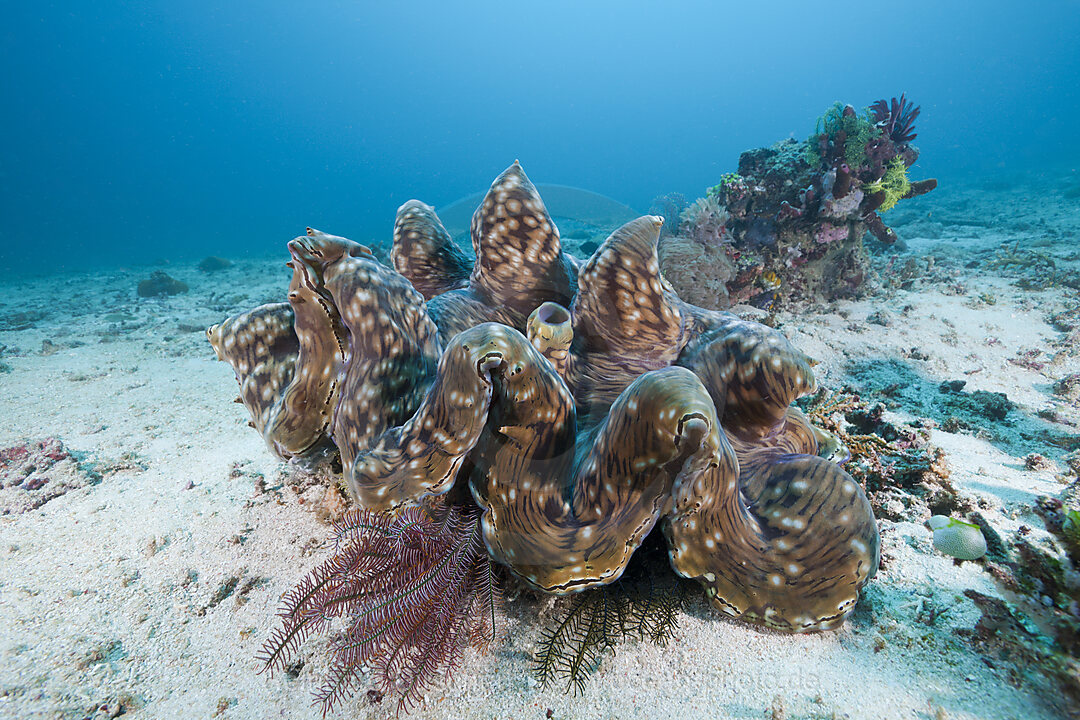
(578, 404)
(160, 285)
(792, 219)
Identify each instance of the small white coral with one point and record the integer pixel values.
(957, 538)
(843, 207)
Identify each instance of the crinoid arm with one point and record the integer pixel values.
(413, 589)
(644, 604)
(896, 118)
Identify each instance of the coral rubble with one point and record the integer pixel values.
(35, 472)
(213, 263)
(159, 284)
(904, 476)
(791, 221)
(1040, 627)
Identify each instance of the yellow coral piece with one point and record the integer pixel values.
(894, 183)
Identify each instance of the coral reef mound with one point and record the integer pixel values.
(789, 224)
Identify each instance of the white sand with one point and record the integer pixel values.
(104, 590)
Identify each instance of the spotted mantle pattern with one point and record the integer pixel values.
(580, 404)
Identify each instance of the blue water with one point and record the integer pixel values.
(134, 131)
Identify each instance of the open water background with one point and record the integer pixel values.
(139, 131)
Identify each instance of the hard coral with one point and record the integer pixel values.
(213, 264)
(905, 477)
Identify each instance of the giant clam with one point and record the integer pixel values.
(579, 403)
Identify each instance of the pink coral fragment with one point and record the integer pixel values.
(827, 233)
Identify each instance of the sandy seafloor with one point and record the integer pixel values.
(111, 595)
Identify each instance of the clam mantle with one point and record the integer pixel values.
(578, 404)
